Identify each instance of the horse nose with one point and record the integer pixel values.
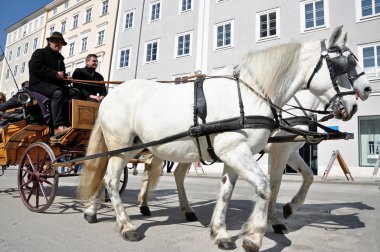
(354, 109)
(368, 90)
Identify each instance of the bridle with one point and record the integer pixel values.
(337, 66)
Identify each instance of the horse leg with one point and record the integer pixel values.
(218, 220)
(112, 180)
(90, 213)
(152, 166)
(278, 162)
(243, 163)
(180, 174)
(297, 163)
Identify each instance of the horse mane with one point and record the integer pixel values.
(268, 69)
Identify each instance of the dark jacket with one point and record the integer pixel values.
(43, 68)
(88, 73)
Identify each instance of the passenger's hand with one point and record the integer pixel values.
(97, 97)
(60, 75)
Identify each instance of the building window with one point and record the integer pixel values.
(18, 52)
(370, 8)
(224, 35)
(314, 14)
(183, 47)
(10, 56)
(26, 48)
(55, 11)
(186, 5)
(71, 48)
(66, 4)
(267, 24)
(104, 7)
(22, 67)
(75, 21)
(369, 140)
(151, 52)
(35, 41)
(51, 29)
(155, 11)
(88, 15)
(7, 74)
(84, 44)
(15, 70)
(101, 37)
(128, 24)
(63, 27)
(124, 58)
(370, 56)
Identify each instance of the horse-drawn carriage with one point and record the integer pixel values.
(29, 144)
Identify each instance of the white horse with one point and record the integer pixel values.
(142, 111)
(280, 155)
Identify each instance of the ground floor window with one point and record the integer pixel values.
(369, 140)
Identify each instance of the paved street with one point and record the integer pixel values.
(336, 217)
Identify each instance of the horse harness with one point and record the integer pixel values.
(337, 66)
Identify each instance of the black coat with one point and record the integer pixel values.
(87, 73)
(43, 68)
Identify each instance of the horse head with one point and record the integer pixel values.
(337, 79)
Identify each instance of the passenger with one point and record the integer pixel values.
(13, 102)
(46, 74)
(3, 98)
(90, 91)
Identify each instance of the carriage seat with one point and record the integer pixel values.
(44, 104)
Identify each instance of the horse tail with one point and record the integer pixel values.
(154, 173)
(92, 174)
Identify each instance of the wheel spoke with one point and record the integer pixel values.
(31, 192)
(30, 161)
(42, 190)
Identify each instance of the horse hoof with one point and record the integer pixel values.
(226, 244)
(130, 236)
(280, 229)
(144, 210)
(250, 246)
(190, 216)
(90, 218)
(287, 210)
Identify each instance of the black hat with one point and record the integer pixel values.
(57, 36)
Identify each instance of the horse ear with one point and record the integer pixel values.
(346, 42)
(335, 35)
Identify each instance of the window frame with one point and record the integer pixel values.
(26, 48)
(176, 47)
(18, 52)
(360, 149)
(359, 14)
(258, 25)
(63, 26)
(224, 46)
(98, 36)
(146, 51)
(75, 21)
(180, 7)
(84, 41)
(133, 12)
(150, 20)
(129, 58)
(376, 46)
(303, 20)
(22, 70)
(88, 15)
(35, 43)
(71, 52)
(102, 8)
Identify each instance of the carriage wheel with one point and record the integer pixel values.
(37, 180)
(123, 183)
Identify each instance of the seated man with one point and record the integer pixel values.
(46, 74)
(13, 102)
(90, 91)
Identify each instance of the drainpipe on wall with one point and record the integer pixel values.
(139, 41)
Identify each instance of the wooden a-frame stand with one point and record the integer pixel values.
(346, 171)
(376, 166)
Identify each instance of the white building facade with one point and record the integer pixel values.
(23, 38)
(166, 39)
